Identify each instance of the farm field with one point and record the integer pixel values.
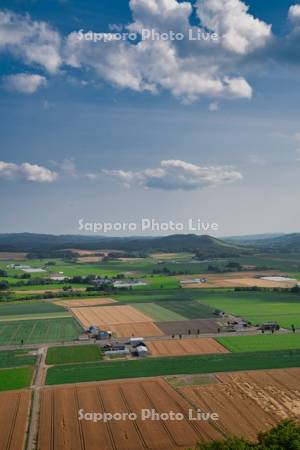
(73, 354)
(15, 378)
(28, 307)
(189, 309)
(34, 332)
(176, 365)
(146, 329)
(264, 342)
(177, 347)
(14, 409)
(16, 358)
(158, 313)
(82, 302)
(109, 315)
(58, 315)
(202, 326)
(60, 425)
(257, 307)
(249, 402)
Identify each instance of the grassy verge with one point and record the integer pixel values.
(264, 342)
(73, 354)
(19, 378)
(171, 366)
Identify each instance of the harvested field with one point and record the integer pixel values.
(82, 302)
(89, 259)
(236, 279)
(182, 327)
(109, 315)
(176, 347)
(124, 321)
(14, 410)
(249, 402)
(59, 427)
(137, 329)
(12, 256)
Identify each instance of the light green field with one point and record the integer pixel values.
(257, 307)
(264, 342)
(158, 313)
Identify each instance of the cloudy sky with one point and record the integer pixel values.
(161, 109)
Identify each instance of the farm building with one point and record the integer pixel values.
(142, 351)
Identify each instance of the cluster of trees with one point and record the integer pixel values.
(166, 271)
(294, 289)
(286, 436)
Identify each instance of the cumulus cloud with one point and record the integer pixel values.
(26, 172)
(32, 41)
(23, 82)
(294, 13)
(241, 32)
(177, 175)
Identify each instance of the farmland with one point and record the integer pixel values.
(73, 354)
(29, 308)
(14, 409)
(178, 347)
(15, 378)
(226, 362)
(16, 358)
(265, 342)
(158, 312)
(34, 332)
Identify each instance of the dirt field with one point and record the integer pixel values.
(14, 410)
(12, 256)
(60, 428)
(84, 302)
(124, 321)
(183, 326)
(89, 259)
(249, 402)
(236, 279)
(178, 347)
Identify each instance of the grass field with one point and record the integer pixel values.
(75, 373)
(34, 332)
(73, 354)
(264, 342)
(57, 315)
(28, 307)
(158, 313)
(257, 307)
(19, 378)
(16, 358)
(189, 309)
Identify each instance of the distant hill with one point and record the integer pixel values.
(284, 243)
(205, 246)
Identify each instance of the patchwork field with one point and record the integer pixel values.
(124, 321)
(73, 354)
(264, 342)
(237, 279)
(14, 409)
(16, 358)
(59, 427)
(202, 326)
(176, 347)
(28, 307)
(158, 312)
(39, 331)
(82, 302)
(249, 402)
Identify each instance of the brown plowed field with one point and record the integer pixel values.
(183, 326)
(12, 256)
(84, 302)
(249, 402)
(14, 410)
(124, 321)
(176, 347)
(60, 428)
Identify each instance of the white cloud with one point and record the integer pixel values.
(34, 42)
(177, 175)
(26, 172)
(23, 82)
(294, 12)
(240, 32)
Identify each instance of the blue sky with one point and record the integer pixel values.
(169, 130)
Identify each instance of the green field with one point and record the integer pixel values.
(57, 315)
(158, 313)
(73, 354)
(189, 309)
(28, 307)
(75, 373)
(16, 358)
(257, 307)
(19, 378)
(39, 331)
(264, 342)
